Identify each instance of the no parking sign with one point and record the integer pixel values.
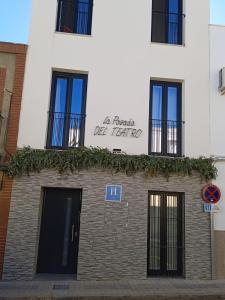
(211, 194)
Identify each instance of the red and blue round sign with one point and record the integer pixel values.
(211, 194)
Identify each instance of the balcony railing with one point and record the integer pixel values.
(65, 130)
(167, 27)
(74, 16)
(165, 137)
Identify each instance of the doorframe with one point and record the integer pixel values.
(181, 196)
(40, 213)
(69, 78)
(165, 84)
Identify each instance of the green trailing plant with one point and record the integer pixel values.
(28, 160)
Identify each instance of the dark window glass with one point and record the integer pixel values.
(75, 16)
(165, 118)
(67, 111)
(159, 20)
(167, 19)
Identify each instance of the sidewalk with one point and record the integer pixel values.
(98, 290)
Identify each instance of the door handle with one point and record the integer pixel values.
(72, 234)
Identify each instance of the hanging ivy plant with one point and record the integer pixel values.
(28, 160)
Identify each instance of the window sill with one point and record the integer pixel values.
(170, 156)
(74, 34)
(167, 44)
(62, 148)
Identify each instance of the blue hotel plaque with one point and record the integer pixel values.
(113, 193)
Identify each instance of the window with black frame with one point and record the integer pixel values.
(165, 124)
(167, 21)
(75, 16)
(67, 111)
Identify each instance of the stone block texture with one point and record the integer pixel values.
(113, 236)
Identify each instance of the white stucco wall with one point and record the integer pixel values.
(217, 109)
(217, 102)
(219, 217)
(120, 61)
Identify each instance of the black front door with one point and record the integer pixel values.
(59, 234)
(165, 234)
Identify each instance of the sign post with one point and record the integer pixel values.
(211, 195)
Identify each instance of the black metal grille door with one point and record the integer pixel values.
(165, 234)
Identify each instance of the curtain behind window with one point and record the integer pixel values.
(173, 21)
(67, 15)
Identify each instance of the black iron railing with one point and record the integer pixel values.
(74, 16)
(165, 137)
(167, 27)
(65, 130)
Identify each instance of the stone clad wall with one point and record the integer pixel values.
(113, 236)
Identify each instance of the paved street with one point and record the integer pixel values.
(133, 289)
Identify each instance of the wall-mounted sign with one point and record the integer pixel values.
(118, 127)
(113, 193)
(211, 194)
(211, 208)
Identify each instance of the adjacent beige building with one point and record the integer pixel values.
(12, 64)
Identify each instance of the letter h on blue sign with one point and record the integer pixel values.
(113, 193)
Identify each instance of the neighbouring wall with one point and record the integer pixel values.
(12, 65)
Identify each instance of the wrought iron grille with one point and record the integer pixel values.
(165, 137)
(65, 130)
(165, 234)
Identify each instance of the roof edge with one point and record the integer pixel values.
(14, 48)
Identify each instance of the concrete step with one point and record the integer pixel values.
(146, 297)
(150, 289)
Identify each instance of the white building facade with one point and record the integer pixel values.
(131, 76)
(121, 53)
(217, 63)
